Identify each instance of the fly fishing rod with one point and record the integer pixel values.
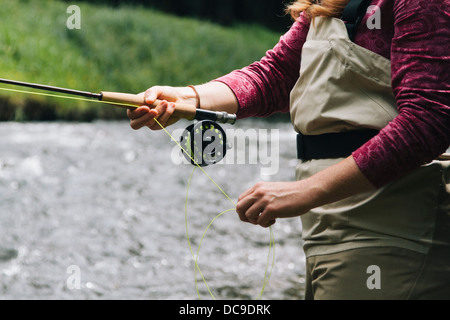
(203, 143)
(126, 100)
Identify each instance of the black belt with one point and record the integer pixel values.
(332, 145)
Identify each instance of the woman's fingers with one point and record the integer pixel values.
(162, 111)
(145, 116)
(159, 92)
(141, 117)
(267, 201)
(244, 202)
(152, 94)
(254, 210)
(165, 110)
(250, 205)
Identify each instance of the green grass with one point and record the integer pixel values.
(126, 49)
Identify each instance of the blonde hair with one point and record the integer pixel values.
(315, 8)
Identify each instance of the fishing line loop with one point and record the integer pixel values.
(267, 273)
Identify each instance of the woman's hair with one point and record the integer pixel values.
(315, 8)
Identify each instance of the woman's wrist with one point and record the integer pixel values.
(187, 95)
(198, 104)
(214, 96)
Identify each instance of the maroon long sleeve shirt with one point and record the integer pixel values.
(415, 37)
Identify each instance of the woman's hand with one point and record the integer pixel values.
(214, 96)
(267, 201)
(145, 116)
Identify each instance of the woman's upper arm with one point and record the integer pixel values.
(263, 88)
(420, 81)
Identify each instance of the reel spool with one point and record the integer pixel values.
(205, 142)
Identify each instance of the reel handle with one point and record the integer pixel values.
(182, 110)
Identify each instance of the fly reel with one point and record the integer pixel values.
(204, 143)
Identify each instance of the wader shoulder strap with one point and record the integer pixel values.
(353, 14)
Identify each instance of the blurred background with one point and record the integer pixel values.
(267, 13)
(80, 190)
(127, 46)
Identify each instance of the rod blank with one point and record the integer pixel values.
(53, 89)
(185, 111)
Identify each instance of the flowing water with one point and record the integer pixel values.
(97, 211)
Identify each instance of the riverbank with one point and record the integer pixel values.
(125, 49)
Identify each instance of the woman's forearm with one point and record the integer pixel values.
(267, 201)
(338, 182)
(217, 96)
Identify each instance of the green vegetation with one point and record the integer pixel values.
(126, 49)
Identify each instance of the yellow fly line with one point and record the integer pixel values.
(267, 273)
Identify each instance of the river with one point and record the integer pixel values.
(97, 211)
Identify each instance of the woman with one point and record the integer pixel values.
(375, 214)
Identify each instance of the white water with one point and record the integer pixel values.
(110, 201)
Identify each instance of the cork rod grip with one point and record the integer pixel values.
(185, 111)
